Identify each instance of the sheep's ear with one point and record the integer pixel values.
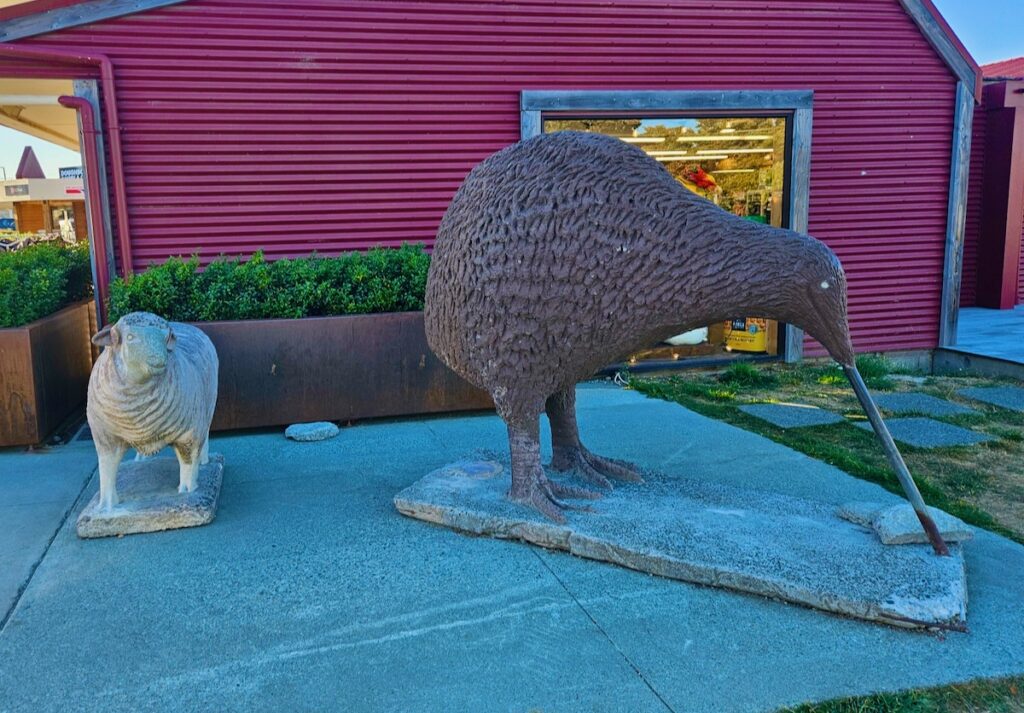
(171, 340)
(107, 337)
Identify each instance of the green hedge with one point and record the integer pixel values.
(380, 280)
(40, 279)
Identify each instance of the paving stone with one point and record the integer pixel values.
(912, 402)
(751, 541)
(860, 512)
(792, 415)
(929, 433)
(1008, 397)
(898, 524)
(150, 501)
(910, 379)
(315, 431)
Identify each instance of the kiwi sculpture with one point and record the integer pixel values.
(566, 252)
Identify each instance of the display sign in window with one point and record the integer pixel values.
(737, 163)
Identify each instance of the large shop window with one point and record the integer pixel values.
(737, 162)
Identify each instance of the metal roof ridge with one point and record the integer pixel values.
(1011, 68)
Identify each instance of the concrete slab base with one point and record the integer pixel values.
(762, 543)
(150, 501)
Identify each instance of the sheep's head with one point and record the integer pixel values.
(140, 342)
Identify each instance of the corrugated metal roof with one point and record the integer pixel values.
(1005, 69)
(340, 125)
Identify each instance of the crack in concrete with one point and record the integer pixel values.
(586, 612)
(35, 565)
(315, 647)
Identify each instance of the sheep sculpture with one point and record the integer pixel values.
(566, 252)
(155, 384)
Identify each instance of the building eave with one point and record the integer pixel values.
(44, 16)
(945, 42)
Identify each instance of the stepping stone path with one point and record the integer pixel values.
(919, 380)
(911, 402)
(1009, 397)
(929, 433)
(791, 415)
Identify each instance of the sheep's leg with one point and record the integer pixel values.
(530, 486)
(204, 453)
(569, 454)
(109, 457)
(188, 462)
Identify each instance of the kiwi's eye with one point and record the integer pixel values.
(825, 285)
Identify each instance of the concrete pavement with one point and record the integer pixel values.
(37, 489)
(310, 592)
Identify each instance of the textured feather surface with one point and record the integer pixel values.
(563, 253)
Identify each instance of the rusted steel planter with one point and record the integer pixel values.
(44, 373)
(281, 371)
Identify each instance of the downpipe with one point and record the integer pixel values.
(113, 129)
(99, 239)
(896, 460)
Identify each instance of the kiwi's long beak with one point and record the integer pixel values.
(896, 460)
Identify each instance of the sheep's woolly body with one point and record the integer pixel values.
(175, 407)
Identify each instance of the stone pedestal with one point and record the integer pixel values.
(150, 500)
(772, 545)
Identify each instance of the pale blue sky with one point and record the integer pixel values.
(990, 29)
(51, 156)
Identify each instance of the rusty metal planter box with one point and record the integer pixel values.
(44, 373)
(280, 371)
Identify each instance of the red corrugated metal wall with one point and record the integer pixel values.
(972, 226)
(972, 231)
(334, 125)
(1020, 273)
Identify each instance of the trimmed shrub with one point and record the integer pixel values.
(379, 280)
(39, 280)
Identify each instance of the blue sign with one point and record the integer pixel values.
(70, 172)
(6, 223)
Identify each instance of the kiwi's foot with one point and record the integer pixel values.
(594, 469)
(545, 496)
